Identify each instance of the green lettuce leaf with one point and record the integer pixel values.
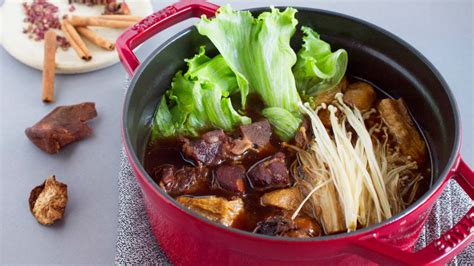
(318, 69)
(198, 99)
(285, 124)
(259, 53)
(163, 118)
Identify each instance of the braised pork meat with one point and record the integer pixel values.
(270, 174)
(231, 178)
(186, 180)
(211, 149)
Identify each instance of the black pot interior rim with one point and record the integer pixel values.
(435, 186)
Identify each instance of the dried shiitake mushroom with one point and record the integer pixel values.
(48, 201)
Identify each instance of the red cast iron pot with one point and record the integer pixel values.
(375, 55)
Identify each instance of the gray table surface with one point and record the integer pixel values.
(441, 30)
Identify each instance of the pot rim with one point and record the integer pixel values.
(137, 165)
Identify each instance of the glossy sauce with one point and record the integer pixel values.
(168, 151)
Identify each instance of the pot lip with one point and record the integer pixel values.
(437, 185)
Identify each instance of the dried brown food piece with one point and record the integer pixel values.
(286, 198)
(62, 126)
(328, 96)
(48, 201)
(214, 208)
(361, 95)
(301, 227)
(306, 227)
(275, 226)
(395, 115)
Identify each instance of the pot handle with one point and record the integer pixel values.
(443, 249)
(155, 23)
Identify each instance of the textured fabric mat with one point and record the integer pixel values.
(136, 244)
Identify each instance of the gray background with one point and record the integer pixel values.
(441, 30)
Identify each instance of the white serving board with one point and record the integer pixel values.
(30, 52)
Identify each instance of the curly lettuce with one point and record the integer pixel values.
(318, 69)
(198, 99)
(255, 57)
(259, 53)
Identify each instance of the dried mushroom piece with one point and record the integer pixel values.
(62, 126)
(397, 118)
(360, 95)
(214, 208)
(48, 201)
(287, 198)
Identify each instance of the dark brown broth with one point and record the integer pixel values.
(168, 151)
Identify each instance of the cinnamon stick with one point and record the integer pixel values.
(121, 17)
(99, 22)
(49, 66)
(95, 38)
(76, 42)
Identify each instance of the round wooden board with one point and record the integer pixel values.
(30, 52)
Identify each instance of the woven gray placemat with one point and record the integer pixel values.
(137, 245)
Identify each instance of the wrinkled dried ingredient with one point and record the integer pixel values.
(62, 126)
(360, 95)
(287, 198)
(395, 115)
(214, 208)
(48, 201)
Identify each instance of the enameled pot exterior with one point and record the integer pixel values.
(188, 239)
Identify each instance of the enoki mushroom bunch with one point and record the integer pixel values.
(349, 176)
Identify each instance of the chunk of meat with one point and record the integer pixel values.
(360, 95)
(231, 178)
(240, 146)
(258, 133)
(62, 126)
(275, 226)
(254, 136)
(186, 180)
(270, 174)
(301, 227)
(211, 149)
(214, 208)
(305, 227)
(395, 115)
(287, 198)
